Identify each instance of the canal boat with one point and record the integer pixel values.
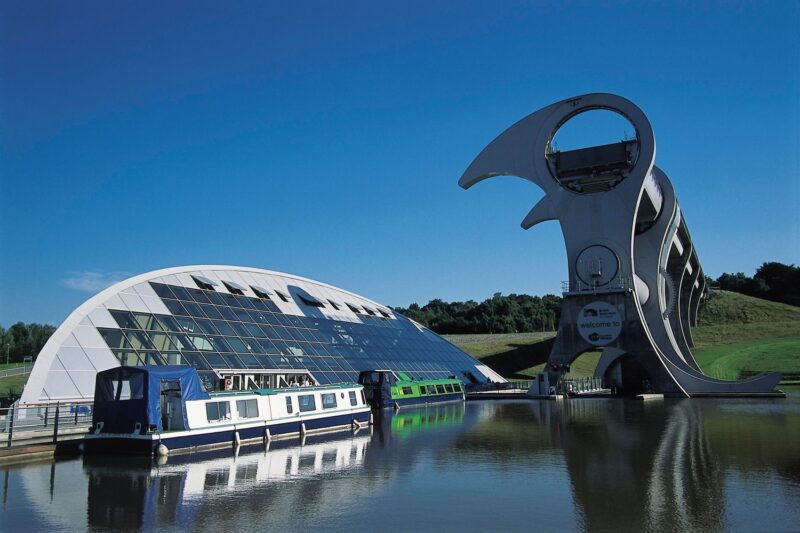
(387, 388)
(165, 409)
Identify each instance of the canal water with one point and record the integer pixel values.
(596, 465)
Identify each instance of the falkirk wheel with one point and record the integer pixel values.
(635, 281)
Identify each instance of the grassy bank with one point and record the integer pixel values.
(737, 335)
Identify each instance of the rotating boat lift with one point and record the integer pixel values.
(635, 281)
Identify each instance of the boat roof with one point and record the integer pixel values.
(269, 392)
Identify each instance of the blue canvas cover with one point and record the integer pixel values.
(129, 394)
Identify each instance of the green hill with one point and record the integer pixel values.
(737, 336)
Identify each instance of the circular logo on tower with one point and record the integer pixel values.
(599, 323)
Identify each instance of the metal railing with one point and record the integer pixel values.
(576, 386)
(43, 423)
(615, 285)
(16, 371)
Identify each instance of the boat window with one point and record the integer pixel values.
(448, 387)
(247, 408)
(217, 411)
(289, 408)
(456, 387)
(353, 400)
(423, 389)
(431, 389)
(440, 389)
(329, 401)
(307, 403)
(128, 388)
(363, 398)
(407, 391)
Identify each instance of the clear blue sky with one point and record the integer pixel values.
(325, 139)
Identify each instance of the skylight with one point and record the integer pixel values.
(282, 296)
(203, 282)
(261, 292)
(234, 288)
(310, 300)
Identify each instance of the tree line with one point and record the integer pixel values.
(772, 281)
(515, 313)
(21, 340)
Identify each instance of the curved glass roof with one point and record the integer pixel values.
(229, 321)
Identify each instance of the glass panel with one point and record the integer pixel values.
(211, 311)
(307, 403)
(128, 358)
(114, 338)
(215, 360)
(215, 298)
(198, 295)
(247, 408)
(162, 290)
(124, 319)
(168, 323)
(218, 411)
(175, 307)
(180, 293)
(206, 326)
(196, 360)
(240, 330)
(227, 312)
(162, 342)
(193, 309)
(139, 339)
(224, 328)
(219, 344)
(237, 344)
(187, 325)
(329, 401)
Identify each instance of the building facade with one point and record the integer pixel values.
(240, 328)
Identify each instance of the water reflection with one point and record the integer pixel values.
(575, 465)
(172, 491)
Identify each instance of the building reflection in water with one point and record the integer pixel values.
(590, 464)
(638, 465)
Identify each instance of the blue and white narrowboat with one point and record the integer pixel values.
(164, 409)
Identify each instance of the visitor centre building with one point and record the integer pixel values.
(240, 328)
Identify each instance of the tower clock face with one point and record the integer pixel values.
(597, 265)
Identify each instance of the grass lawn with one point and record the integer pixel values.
(12, 386)
(737, 334)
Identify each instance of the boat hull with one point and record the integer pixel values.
(417, 401)
(221, 436)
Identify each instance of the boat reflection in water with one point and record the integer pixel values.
(147, 493)
(587, 464)
(408, 422)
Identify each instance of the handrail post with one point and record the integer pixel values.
(77, 409)
(11, 425)
(46, 410)
(55, 425)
